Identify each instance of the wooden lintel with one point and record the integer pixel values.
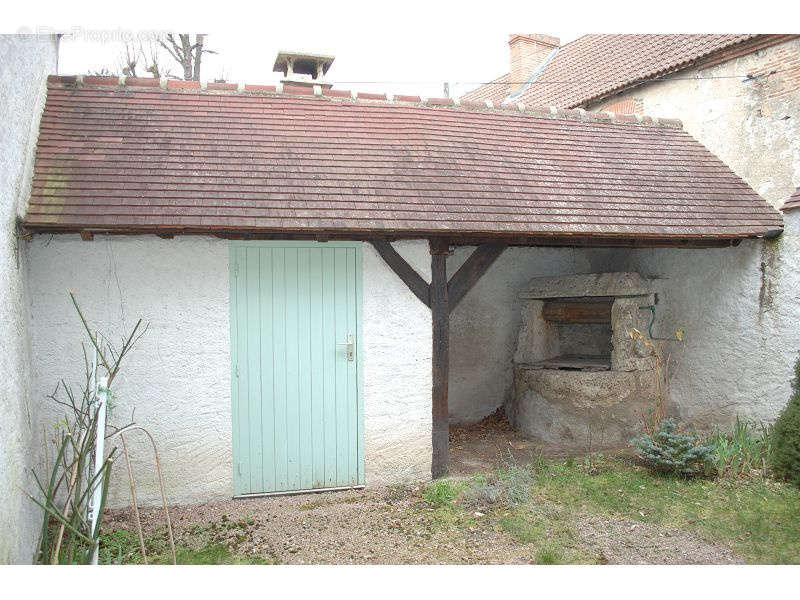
(471, 271)
(440, 318)
(87, 236)
(418, 286)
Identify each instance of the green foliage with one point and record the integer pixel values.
(549, 556)
(741, 452)
(121, 547)
(785, 455)
(441, 493)
(672, 452)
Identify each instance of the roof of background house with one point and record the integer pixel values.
(793, 203)
(597, 65)
(247, 159)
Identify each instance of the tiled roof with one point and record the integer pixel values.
(496, 91)
(594, 66)
(248, 159)
(793, 203)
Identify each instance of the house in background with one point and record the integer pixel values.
(737, 94)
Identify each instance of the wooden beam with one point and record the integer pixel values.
(404, 271)
(471, 271)
(589, 311)
(440, 317)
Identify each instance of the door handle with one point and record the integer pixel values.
(350, 347)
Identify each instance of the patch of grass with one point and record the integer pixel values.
(548, 529)
(442, 493)
(215, 554)
(212, 544)
(549, 556)
(760, 519)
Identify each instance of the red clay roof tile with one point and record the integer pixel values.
(793, 203)
(143, 159)
(594, 66)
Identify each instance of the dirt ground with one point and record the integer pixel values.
(393, 526)
(396, 526)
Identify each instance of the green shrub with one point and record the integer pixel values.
(785, 455)
(670, 451)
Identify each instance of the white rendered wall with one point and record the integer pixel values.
(178, 378)
(753, 126)
(740, 308)
(25, 62)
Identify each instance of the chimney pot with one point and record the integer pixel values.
(303, 69)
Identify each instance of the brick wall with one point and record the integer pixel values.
(527, 53)
(625, 106)
(779, 75)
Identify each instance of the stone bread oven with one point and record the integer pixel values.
(581, 381)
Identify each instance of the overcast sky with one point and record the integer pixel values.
(408, 46)
(370, 61)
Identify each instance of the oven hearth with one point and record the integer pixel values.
(581, 380)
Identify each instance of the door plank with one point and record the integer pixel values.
(279, 362)
(317, 368)
(329, 364)
(304, 367)
(267, 372)
(292, 374)
(351, 393)
(252, 273)
(340, 327)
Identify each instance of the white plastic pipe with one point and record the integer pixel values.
(99, 452)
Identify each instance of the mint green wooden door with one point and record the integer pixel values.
(296, 366)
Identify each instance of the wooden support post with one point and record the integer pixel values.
(441, 296)
(440, 316)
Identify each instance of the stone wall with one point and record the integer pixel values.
(25, 62)
(178, 378)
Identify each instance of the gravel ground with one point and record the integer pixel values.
(395, 526)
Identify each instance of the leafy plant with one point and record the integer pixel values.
(672, 452)
(740, 452)
(785, 455)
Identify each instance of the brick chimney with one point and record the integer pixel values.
(528, 50)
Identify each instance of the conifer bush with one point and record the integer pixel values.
(672, 452)
(785, 455)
